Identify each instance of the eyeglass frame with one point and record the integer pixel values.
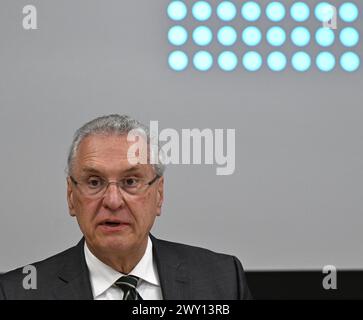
(77, 183)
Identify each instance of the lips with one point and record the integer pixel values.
(112, 222)
(112, 225)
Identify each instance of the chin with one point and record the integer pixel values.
(116, 242)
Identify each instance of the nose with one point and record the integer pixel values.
(113, 198)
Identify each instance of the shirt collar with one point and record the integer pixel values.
(103, 276)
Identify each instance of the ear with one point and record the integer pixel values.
(70, 197)
(160, 196)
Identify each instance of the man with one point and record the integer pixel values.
(115, 201)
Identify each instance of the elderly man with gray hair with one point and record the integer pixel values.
(115, 202)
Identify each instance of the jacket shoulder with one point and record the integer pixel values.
(213, 275)
(12, 282)
(189, 252)
(49, 264)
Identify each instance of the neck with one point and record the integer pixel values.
(121, 262)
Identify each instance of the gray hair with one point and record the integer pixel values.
(110, 124)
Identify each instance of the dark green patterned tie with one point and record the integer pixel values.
(128, 285)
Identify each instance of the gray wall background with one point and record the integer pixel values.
(295, 200)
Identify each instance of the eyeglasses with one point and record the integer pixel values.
(95, 187)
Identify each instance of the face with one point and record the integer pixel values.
(117, 221)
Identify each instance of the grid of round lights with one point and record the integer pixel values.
(250, 36)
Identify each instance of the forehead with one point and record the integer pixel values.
(106, 152)
(100, 143)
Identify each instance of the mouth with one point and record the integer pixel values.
(112, 225)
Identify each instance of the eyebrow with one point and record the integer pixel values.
(95, 170)
(90, 170)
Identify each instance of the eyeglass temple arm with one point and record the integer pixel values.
(153, 180)
(73, 180)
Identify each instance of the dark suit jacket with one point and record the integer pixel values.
(185, 272)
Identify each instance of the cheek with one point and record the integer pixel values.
(144, 209)
(85, 210)
(78, 206)
(150, 201)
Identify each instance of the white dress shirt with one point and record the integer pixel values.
(103, 277)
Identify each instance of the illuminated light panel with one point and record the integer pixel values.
(300, 11)
(177, 10)
(227, 61)
(251, 11)
(301, 61)
(350, 61)
(226, 11)
(325, 37)
(325, 61)
(349, 37)
(324, 11)
(275, 11)
(348, 12)
(202, 36)
(276, 36)
(177, 35)
(276, 61)
(202, 10)
(252, 61)
(178, 60)
(227, 36)
(300, 36)
(203, 61)
(251, 36)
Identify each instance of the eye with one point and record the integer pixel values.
(130, 182)
(95, 182)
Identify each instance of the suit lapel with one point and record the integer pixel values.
(73, 278)
(173, 272)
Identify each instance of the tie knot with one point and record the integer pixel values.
(128, 285)
(127, 282)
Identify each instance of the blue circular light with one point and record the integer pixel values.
(203, 60)
(251, 36)
(178, 60)
(252, 61)
(276, 61)
(227, 36)
(177, 10)
(301, 61)
(227, 61)
(202, 36)
(226, 11)
(276, 36)
(325, 37)
(348, 12)
(251, 11)
(300, 36)
(325, 61)
(300, 11)
(177, 35)
(324, 11)
(350, 61)
(202, 10)
(349, 37)
(275, 11)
